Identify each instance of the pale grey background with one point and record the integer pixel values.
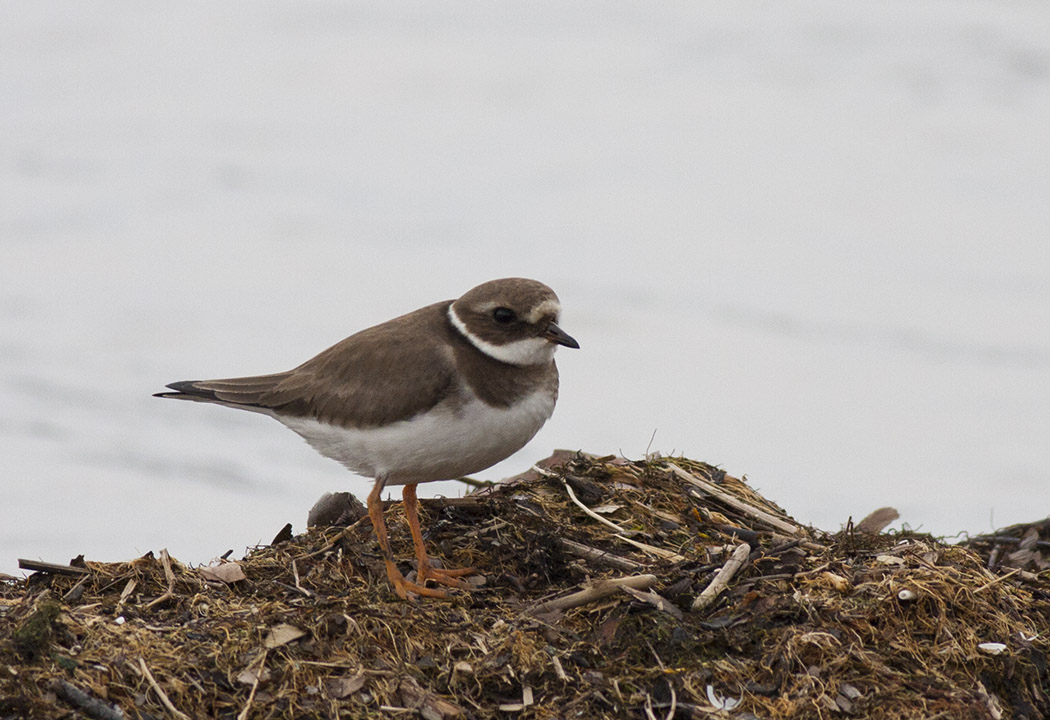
(808, 242)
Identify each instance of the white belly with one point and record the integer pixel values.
(438, 445)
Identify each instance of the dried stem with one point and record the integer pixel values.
(599, 590)
(722, 578)
(645, 547)
(736, 503)
(164, 699)
(165, 560)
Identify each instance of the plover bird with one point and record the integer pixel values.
(442, 392)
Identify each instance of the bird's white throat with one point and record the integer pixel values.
(530, 351)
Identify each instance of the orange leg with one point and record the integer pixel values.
(425, 571)
(401, 586)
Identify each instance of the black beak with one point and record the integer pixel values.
(556, 335)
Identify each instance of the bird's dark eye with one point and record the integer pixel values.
(504, 316)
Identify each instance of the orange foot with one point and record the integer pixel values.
(424, 570)
(449, 577)
(403, 587)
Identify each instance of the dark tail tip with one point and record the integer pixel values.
(185, 388)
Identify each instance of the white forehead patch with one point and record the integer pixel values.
(547, 307)
(530, 351)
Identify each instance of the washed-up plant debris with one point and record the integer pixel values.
(1020, 547)
(604, 588)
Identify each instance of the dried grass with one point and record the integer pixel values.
(812, 626)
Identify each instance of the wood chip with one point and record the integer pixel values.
(282, 635)
(427, 704)
(837, 582)
(252, 676)
(526, 700)
(342, 687)
(229, 572)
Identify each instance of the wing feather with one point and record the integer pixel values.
(380, 375)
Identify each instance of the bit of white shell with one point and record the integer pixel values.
(906, 595)
(992, 648)
(719, 702)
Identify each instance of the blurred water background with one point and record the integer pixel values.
(809, 242)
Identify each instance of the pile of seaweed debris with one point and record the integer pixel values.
(1025, 548)
(606, 588)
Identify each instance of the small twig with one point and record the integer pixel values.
(165, 560)
(656, 600)
(558, 669)
(495, 525)
(90, 706)
(990, 701)
(345, 532)
(77, 590)
(783, 547)
(599, 556)
(1006, 540)
(591, 513)
(798, 542)
(722, 578)
(298, 586)
(599, 590)
(649, 700)
(735, 502)
(741, 534)
(656, 656)
(649, 707)
(125, 594)
(652, 549)
(255, 685)
(997, 580)
(755, 579)
(770, 578)
(580, 699)
(52, 568)
(645, 547)
(164, 699)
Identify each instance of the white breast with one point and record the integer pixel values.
(441, 444)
